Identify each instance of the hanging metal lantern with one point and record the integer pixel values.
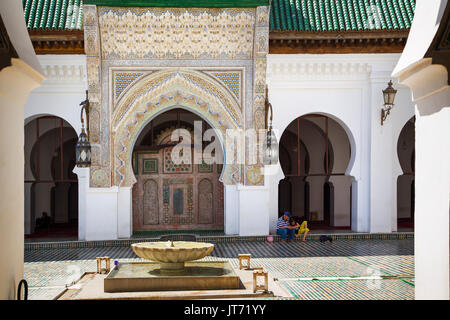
(83, 151)
(83, 147)
(270, 147)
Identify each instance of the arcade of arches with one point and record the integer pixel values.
(51, 188)
(314, 155)
(169, 196)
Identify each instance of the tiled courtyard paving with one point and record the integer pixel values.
(344, 269)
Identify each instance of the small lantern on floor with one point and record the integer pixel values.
(388, 96)
(83, 147)
(270, 155)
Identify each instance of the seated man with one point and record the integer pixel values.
(284, 228)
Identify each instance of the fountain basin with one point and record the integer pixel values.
(148, 276)
(172, 255)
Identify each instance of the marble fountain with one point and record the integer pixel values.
(170, 270)
(171, 265)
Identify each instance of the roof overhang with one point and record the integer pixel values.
(374, 41)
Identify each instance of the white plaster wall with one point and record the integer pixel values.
(101, 218)
(231, 209)
(334, 85)
(385, 165)
(253, 211)
(62, 91)
(348, 89)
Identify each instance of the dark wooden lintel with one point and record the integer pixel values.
(57, 41)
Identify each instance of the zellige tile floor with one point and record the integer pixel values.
(342, 270)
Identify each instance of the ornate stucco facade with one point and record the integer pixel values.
(142, 61)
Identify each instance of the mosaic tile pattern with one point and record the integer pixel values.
(391, 265)
(232, 80)
(350, 290)
(122, 80)
(306, 267)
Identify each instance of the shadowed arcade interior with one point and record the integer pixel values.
(314, 155)
(51, 188)
(405, 182)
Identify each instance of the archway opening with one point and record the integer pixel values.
(51, 188)
(169, 195)
(405, 182)
(315, 152)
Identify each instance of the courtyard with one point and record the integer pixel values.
(371, 269)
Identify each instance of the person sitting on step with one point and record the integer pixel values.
(284, 229)
(303, 228)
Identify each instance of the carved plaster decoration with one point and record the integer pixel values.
(178, 33)
(141, 113)
(100, 172)
(260, 51)
(191, 82)
(301, 71)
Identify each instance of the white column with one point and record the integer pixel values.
(253, 211)
(16, 82)
(102, 213)
(83, 185)
(124, 212)
(273, 175)
(360, 172)
(432, 205)
(431, 93)
(383, 150)
(231, 209)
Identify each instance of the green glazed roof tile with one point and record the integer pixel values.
(295, 15)
(53, 14)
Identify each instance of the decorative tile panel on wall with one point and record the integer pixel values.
(149, 166)
(231, 79)
(121, 80)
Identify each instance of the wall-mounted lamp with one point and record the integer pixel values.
(388, 96)
(83, 147)
(270, 143)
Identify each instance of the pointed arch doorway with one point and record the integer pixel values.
(169, 196)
